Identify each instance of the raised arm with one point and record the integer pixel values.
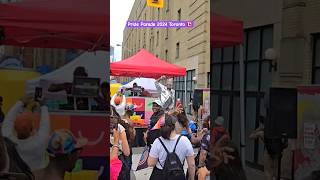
(123, 103)
(8, 123)
(44, 127)
(112, 100)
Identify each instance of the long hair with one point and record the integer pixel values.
(206, 122)
(168, 127)
(129, 129)
(231, 171)
(183, 120)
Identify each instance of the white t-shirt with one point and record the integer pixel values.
(33, 149)
(184, 149)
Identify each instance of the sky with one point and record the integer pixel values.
(119, 14)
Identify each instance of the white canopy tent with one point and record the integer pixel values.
(95, 64)
(146, 83)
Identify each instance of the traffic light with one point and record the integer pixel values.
(155, 3)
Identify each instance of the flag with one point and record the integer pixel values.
(143, 163)
(160, 122)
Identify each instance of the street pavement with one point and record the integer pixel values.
(144, 174)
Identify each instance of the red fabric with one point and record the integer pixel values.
(115, 168)
(145, 64)
(225, 31)
(79, 24)
(93, 128)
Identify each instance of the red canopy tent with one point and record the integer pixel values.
(225, 31)
(145, 64)
(79, 24)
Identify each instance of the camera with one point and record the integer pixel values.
(114, 120)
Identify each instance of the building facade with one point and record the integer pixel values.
(187, 47)
(291, 28)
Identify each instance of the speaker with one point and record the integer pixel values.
(282, 113)
(197, 97)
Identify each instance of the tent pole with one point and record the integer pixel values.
(242, 107)
(185, 92)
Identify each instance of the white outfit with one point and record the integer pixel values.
(121, 107)
(167, 97)
(184, 149)
(33, 149)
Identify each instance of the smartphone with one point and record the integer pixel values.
(38, 94)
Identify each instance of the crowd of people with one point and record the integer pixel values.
(171, 139)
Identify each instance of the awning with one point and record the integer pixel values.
(78, 24)
(225, 31)
(145, 64)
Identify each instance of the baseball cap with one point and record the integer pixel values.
(63, 142)
(219, 121)
(157, 101)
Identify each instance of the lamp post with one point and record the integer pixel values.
(124, 48)
(271, 55)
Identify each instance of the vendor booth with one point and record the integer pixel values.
(146, 65)
(80, 107)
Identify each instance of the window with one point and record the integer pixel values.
(166, 52)
(145, 16)
(167, 33)
(157, 38)
(180, 88)
(177, 50)
(167, 5)
(152, 43)
(158, 14)
(224, 80)
(208, 80)
(316, 60)
(179, 15)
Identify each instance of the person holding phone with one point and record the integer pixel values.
(18, 126)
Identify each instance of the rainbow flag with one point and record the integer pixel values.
(160, 122)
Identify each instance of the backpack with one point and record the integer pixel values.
(173, 168)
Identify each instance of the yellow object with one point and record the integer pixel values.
(81, 175)
(12, 84)
(135, 118)
(114, 88)
(155, 3)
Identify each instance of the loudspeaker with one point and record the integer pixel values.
(197, 97)
(282, 113)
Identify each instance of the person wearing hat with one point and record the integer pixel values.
(154, 132)
(218, 130)
(172, 142)
(18, 126)
(119, 102)
(64, 150)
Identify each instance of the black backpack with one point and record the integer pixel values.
(173, 168)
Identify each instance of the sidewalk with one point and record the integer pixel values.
(252, 174)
